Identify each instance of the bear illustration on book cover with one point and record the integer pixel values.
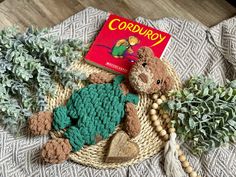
(124, 45)
(115, 48)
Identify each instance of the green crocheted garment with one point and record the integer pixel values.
(94, 110)
(119, 50)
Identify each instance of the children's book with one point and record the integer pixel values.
(115, 48)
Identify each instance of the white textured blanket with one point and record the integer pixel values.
(194, 50)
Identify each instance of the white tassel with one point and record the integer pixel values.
(172, 164)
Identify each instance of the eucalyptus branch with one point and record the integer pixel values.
(29, 65)
(204, 113)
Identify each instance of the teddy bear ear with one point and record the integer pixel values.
(145, 52)
(168, 84)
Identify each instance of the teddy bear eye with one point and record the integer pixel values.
(144, 64)
(158, 81)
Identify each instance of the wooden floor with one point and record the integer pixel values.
(46, 13)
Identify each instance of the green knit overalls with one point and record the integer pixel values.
(91, 111)
(119, 50)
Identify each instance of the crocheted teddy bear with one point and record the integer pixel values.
(93, 112)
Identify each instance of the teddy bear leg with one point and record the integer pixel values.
(100, 78)
(132, 123)
(61, 120)
(76, 139)
(56, 150)
(40, 123)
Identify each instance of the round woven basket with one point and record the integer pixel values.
(94, 155)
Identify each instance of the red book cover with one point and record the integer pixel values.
(115, 48)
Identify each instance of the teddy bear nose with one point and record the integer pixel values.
(144, 64)
(143, 77)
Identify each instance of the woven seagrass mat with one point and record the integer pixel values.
(148, 140)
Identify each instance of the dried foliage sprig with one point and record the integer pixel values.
(31, 64)
(205, 113)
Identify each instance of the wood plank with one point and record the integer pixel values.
(46, 13)
(209, 12)
(41, 13)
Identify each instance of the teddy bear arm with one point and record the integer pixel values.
(40, 123)
(100, 78)
(98, 138)
(168, 84)
(132, 123)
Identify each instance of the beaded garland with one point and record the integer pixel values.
(164, 134)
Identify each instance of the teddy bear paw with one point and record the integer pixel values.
(40, 123)
(56, 150)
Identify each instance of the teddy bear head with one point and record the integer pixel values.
(149, 74)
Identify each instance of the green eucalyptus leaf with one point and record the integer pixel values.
(223, 94)
(191, 123)
(233, 100)
(204, 117)
(184, 109)
(233, 84)
(178, 106)
(211, 106)
(203, 132)
(190, 97)
(185, 92)
(226, 139)
(209, 98)
(171, 104)
(230, 92)
(217, 97)
(181, 116)
(232, 122)
(205, 91)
